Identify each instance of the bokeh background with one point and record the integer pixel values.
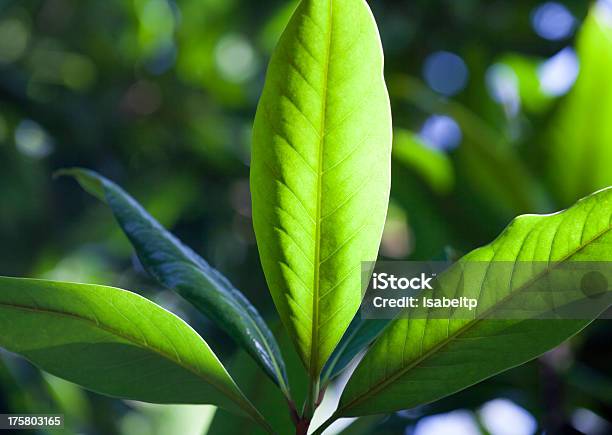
(500, 108)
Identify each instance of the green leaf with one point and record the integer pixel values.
(419, 360)
(178, 268)
(320, 171)
(579, 136)
(113, 342)
(431, 164)
(486, 162)
(359, 335)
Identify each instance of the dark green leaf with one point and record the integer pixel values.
(359, 335)
(178, 268)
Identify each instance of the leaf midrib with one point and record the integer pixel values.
(339, 353)
(128, 338)
(314, 338)
(389, 380)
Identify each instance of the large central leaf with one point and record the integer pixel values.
(321, 169)
(418, 360)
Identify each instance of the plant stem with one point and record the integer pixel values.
(312, 398)
(312, 401)
(295, 417)
(301, 428)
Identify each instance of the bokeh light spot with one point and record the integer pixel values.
(441, 132)
(459, 422)
(445, 72)
(13, 40)
(158, 20)
(78, 72)
(396, 239)
(558, 74)
(235, 58)
(32, 140)
(142, 98)
(504, 417)
(553, 21)
(588, 422)
(502, 84)
(603, 12)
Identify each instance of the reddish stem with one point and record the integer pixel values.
(295, 417)
(320, 398)
(301, 428)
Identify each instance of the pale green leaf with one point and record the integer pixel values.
(579, 138)
(433, 165)
(359, 335)
(178, 268)
(485, 162)
(113, 342)
(418, 360)
(320, 171)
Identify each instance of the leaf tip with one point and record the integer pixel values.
(89, 180)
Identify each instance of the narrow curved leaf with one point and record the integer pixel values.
(320, 171)
(431, 164)
(359, 335)
(113, 342)
(579, 136)
(486, 163)
(178, 268)
(418, 360)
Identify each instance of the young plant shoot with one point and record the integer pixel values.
(320, 180)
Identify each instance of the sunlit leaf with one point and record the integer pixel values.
(113, 342)
(320, 169)
(419, 360)
(580, 136)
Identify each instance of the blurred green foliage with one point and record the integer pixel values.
(159, 95)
